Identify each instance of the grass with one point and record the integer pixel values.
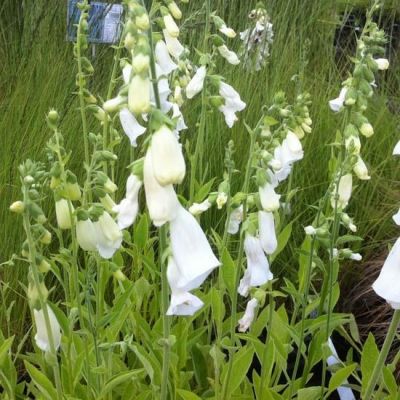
(39, 73)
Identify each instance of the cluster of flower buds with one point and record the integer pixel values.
(257, 40)
(353, 98)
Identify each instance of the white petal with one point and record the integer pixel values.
(386, 285)
(235, 220)
(396, 217)
(248, 317)
(163, 58)
(126, 73)
(42, 339)
(229, 55)
(162, 201)
(269, 198)
(174, 46)
(337, 104)
(109, 236)
(184, 303)
(86, 235)
(131, 126)
(196, 84)
(199, 208)
(396, 150)
(266, 226)
(383, 63)
(191, 251)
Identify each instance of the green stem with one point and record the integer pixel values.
(232, 330)
(376, 373)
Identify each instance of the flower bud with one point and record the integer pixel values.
(140, 63)
(367, 129)
(142, 21)
(64, 220)
(222, 198)
(171, 26)
(139, 95)
(44, 266)
(361, 170)
(174, 10)
(310, 230)
(382, 63)
(17, 207)
(46, 237)
(112, 105)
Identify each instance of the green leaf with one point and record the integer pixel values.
(141, 232)
(369, 357)
(41, 381)
(199, 366)
(340, 376)
(283, 238)
(310, 393)
(203, 192)
(389, 380)
(119, 379)
(186, 395)
(228, 272)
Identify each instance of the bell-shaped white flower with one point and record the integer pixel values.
(386, 286)
(235, 219)
(191, 251)
(128, 208)
(174, 46)
(228, 32)
(396, 150)
(131, 126)
(109, 235)
(232, 105)
(337, 104)
(196, 84)
(344, 191)
(229, 55)
(86, 235)
(161, 201)
(199, 208)
(42, 338)
(383, 63)
(112, 105)
(163, 58)
(266, 227)
(139, 95)
(168, 162)
(170, 26)
(257, 272)
(248, 316)
(268, 197)
(182, 302)
(361, 170)
(63, 214)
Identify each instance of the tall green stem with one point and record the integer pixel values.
(232, 331)
(376, 373)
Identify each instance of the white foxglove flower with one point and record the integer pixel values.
(139, 95)
(168, 162)
(229, 55)
(128, 208)
(182, 302)
(170, 26)
(396, 218)
(337, 104)
(191, 251)
(266, 228)
(109, 235)
(64, 220)
(199, 208)
(228, 32)
(257, 272)
(131, 126)
(396, 150)
(344, 191)
(174, 47)
(196, 84)
(232, 105)
(361, 170)
(113, 104)
(268, 197)
(235, 219)
(178, 117)
(42, 338)
(163, 90)
(383, 63)
(386, 286)
(86, 235)
(161, 201)
(163, 58)
(248, 316)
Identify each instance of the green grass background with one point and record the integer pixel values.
(38, 73)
